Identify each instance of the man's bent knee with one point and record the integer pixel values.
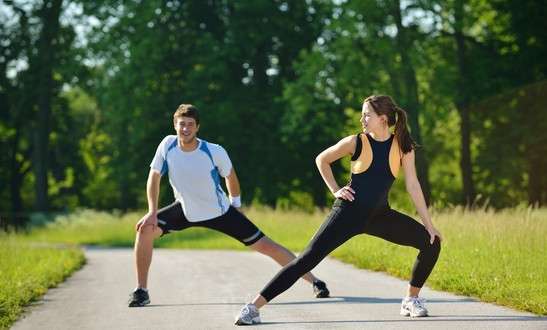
(149, 232)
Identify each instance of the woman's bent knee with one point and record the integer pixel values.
(434, 248)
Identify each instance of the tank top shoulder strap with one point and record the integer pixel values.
(358, 147)
(395, 157)
(362, 159)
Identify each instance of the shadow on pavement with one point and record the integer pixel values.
(368, 300)
(436, 318)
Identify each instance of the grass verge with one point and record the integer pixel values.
(27, 270)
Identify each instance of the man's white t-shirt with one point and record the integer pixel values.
(193, 176)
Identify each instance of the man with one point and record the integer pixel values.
(194, 167)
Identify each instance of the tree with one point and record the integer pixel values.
(38, 57)
(43, 65)
(404, 43)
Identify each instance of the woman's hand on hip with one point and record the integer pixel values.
(346, 192)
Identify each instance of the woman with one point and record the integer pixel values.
(362, 205)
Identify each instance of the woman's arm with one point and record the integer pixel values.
(415, 190)
(344, 147)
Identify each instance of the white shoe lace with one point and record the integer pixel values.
(418, 303)
(246, 313)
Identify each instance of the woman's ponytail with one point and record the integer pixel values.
(402, 134)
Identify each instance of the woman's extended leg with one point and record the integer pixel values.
(337, 228)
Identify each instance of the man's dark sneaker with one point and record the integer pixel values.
(320, 289)
(139, 298)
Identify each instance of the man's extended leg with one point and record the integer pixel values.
(235, 224)
(278, 253)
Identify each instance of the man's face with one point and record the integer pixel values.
(186, 129)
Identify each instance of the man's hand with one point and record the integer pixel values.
(149, 219)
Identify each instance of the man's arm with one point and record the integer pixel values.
(152, 194)
(232, 184)
(153, 190)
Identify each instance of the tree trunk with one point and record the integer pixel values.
(463, 107)
(50, 13)
(15, 183)
(531, 104)
(412, 103)
(536, 188)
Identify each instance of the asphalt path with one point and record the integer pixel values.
(204, 289)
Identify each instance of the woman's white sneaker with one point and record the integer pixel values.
(248, 315)
(413, 307)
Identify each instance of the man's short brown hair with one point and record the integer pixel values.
(186, 110)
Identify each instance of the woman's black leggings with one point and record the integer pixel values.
(345, 222)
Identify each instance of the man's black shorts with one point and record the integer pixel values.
(232, 223)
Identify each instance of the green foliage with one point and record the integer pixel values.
(296, 200)
(505, 149)
(159, 56)
(277, 82)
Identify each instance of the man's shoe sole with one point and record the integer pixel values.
(136, 304)
(322, 295)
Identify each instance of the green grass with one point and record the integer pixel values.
(497, 257)
(27, 270)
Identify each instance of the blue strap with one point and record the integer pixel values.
(203, 147)
(214, 175)
(165, 167)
